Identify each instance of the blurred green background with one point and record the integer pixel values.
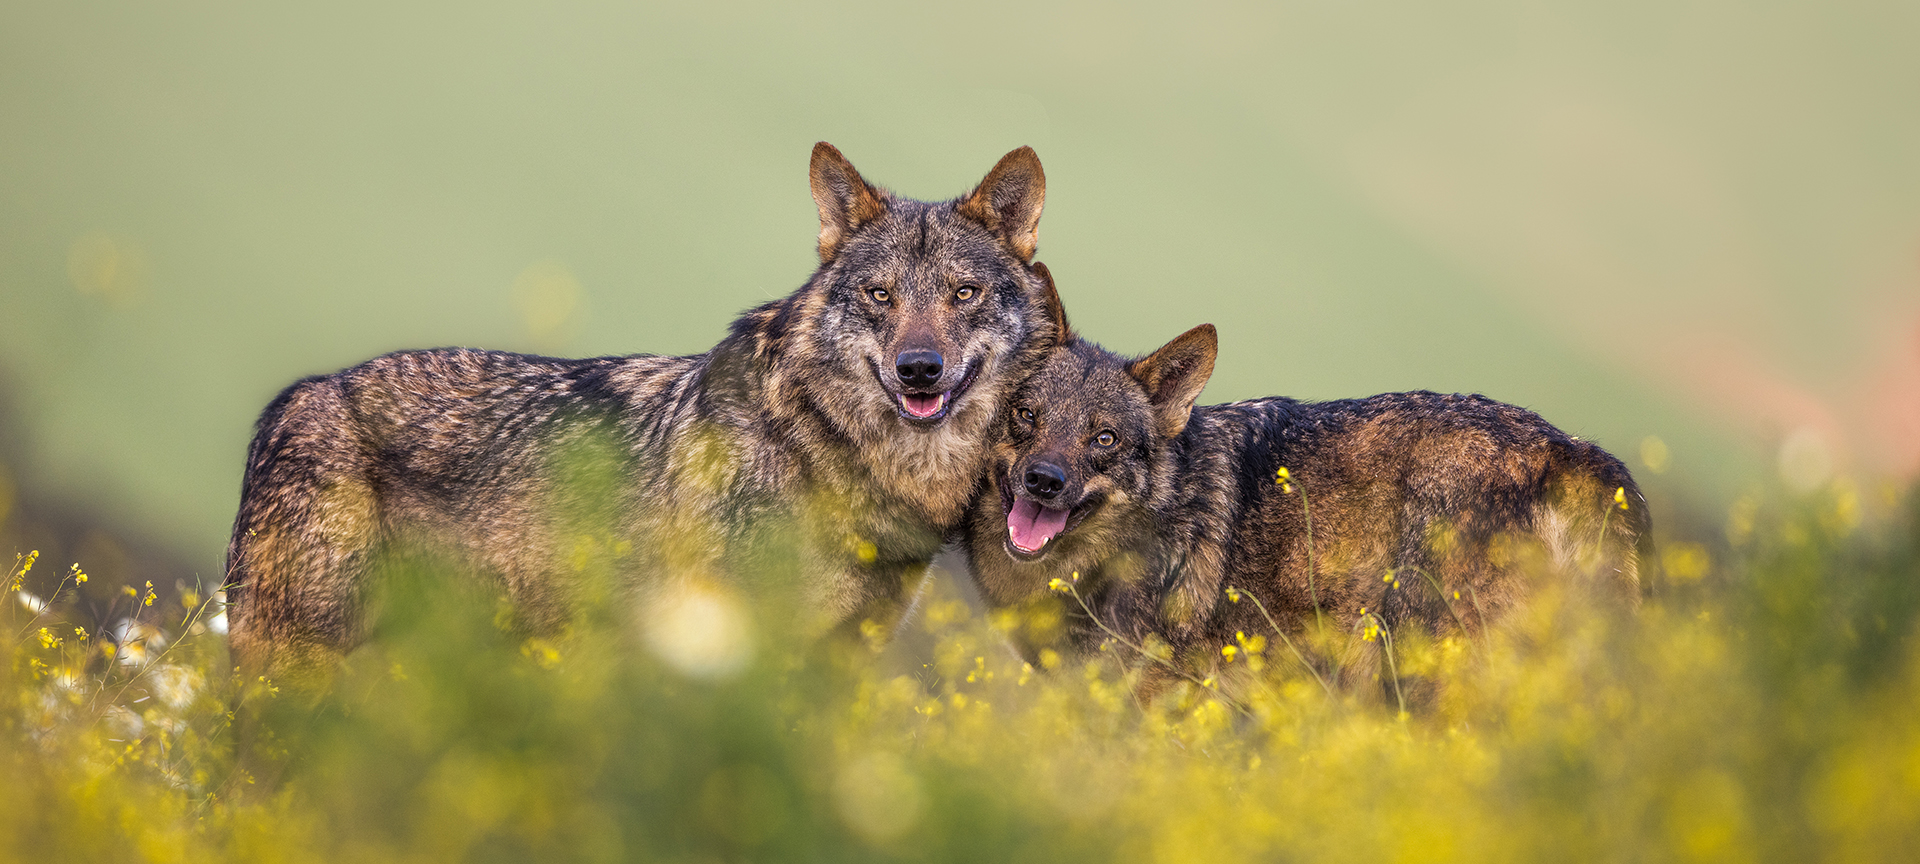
(1698, 222)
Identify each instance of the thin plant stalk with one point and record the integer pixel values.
(1286, 641)
(1393, 669)
(1286, 481)
(1142, 651)
(1443, 601)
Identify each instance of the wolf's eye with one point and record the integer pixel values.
(1105, 439)
(879, 295)
(966, 292)
(1026, 415)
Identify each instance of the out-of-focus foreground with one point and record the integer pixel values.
(1759, 709)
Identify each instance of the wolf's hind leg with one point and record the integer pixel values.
(302, 543)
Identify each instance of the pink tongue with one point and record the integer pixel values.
(1031, 525)
(923, 406)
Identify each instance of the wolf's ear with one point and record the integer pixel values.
(1056, 310)
(1009, 201)
(1175, 375)
(845, 200)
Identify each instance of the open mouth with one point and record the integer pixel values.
(1033, 527)
(930, 408)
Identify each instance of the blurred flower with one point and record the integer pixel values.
(700, 631)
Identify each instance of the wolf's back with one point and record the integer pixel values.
(455, 447)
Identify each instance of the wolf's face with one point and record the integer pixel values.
(926, 312)
(1083, 440)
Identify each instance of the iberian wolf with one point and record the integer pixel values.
(822, 451)
(1105, 477)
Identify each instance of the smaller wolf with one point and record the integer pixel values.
(1106, 477)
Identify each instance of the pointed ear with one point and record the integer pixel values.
(1175, 375)
(846, 202)
(1056, 310)
(1009, 201)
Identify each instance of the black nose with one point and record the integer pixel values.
(1045, 481)
(918, 368)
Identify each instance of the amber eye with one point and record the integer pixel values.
(879, 295)
(1026, 414)
(1105, 439)
(966, 292)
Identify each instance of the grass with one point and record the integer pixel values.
(1762, 708)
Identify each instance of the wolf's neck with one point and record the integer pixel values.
(1196, 502)
(933, 471)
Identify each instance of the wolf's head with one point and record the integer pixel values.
(1083, 446)
(925, 301)
(920, 319)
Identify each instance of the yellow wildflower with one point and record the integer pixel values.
(1253, 645)
(1620, 497)
(1233, 594)
(1059, 584)
(1228, 652)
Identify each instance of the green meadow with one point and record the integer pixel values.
(1686, 232)
(1760, 709)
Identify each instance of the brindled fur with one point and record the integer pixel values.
(784, 450)
(1185, 503)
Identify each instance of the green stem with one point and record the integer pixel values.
(1456, 616)
(1288, 642)
(1386, 639)
(1313, 592)
(1155, 658)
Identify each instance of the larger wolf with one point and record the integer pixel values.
(834, 436)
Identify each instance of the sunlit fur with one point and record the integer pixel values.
(1479, 494)
(777, 460)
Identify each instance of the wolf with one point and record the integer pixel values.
(1108, 483)
(825, 448)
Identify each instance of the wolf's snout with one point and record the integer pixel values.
(919, 368)
(1044, 481)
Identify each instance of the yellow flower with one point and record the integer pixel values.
(1620, 497)
(1233, 594)
(1059, 584)
(1228, 652)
